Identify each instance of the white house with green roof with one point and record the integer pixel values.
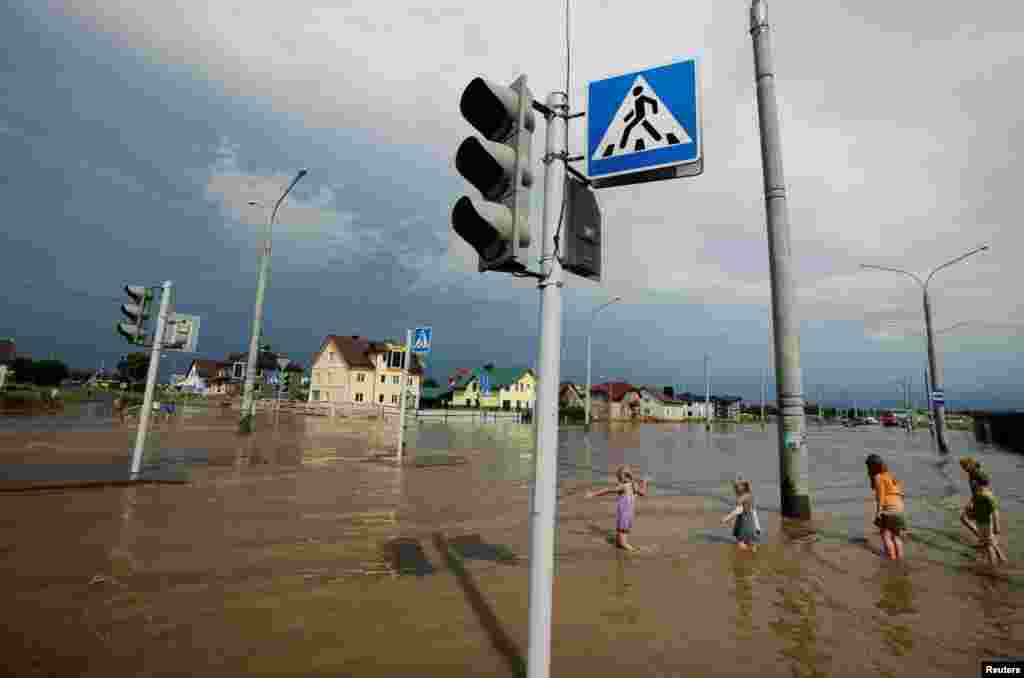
(511, 388)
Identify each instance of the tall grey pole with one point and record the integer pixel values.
(937, 404)
(587, 413)
(246, 423)
(593, 317)
(764, 387)
(928, 400)
(151, 376)
(545, 481)
(707, 391)
(406, 365)
(794, 482)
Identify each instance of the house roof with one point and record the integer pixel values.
(356, 351)
(207, 369)
(433, 392)
(615, 391)
(500, 377)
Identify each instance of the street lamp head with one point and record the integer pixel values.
(303, 172)
(616, 299)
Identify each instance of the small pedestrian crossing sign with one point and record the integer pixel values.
(421, 340)
(644, 126)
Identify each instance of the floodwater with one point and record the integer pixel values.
(302, 550)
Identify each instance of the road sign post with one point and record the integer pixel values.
(406, 359)
(645, 126)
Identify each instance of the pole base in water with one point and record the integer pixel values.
(796, 506)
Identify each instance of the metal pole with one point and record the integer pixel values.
(543, 500)
(707, 391)
(248, 404)
(933, 363)
(928, 401)
(401, 399)
(588, 375)
(794, 482)
(154, 366)
(764, 386)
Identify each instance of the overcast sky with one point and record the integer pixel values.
(133, 135)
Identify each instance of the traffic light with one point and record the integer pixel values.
(499, 167)
(136, 312)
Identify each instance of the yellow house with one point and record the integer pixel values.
(511, 388)
(353, 369)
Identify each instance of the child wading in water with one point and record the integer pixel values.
(888, 506)
(972, 468)
(747, 529)
(627, 489)
(986, 513)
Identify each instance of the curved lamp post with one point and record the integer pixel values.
(593, 316)
(248, 402)
(939, 408)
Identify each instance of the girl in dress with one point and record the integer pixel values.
(627, 489)
(747, 529)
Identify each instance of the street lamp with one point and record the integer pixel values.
(938, 406)
(248, 404)
(593, 316)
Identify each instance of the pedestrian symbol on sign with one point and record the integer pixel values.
(421, 341)
(658, 127)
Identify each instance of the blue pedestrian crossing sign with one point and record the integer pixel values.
(645, 126)
(421, 340)
(485, 384)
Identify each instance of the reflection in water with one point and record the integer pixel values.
(797, 622)
(621, 608)
(743, 574)
(897, 598)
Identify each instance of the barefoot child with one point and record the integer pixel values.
(986, 513)
(888, 506)
(747, 529)
(627, 489)
(972, 468)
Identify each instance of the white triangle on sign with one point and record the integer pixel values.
(655, 128)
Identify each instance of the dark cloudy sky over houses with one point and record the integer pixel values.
(133, 136)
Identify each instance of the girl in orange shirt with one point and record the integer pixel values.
(888, 506)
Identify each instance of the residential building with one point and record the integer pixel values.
(511, 388)
(7, 351)
(614, 402)
(227, 377)
(660, 404)
(354, 369)
(571, 396)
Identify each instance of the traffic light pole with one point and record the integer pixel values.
(543, 503)
(793, 473)
(154, 368)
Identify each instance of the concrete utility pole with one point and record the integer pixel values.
(406, 367)
(764, 387)
(707, 391)
(248, 403)
(939, 402)
(794, 480)
(593, 317)
(151, 377)
(543, 500)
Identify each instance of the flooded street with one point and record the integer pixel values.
(302, 551)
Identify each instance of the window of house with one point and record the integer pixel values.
(411, 381)
(361, 377)
(359, 397)
(239, 370)
(316, 395)
(330, 356)
(396, 359)
(394, 400)
(383, 379)
(380, 398)
(396, 379)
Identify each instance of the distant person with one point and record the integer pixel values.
(889, 518)
(119, 408)
(625, 506)
(986, 514)
(747, 528)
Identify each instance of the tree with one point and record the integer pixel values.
(430, 383)
(133, 367)
(49, 372)
(23, 371)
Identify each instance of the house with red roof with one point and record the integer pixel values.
(616, 401)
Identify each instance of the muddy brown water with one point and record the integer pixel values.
(298, 551)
